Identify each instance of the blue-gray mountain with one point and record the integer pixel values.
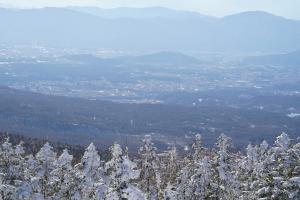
(166, 30)
(140, 13)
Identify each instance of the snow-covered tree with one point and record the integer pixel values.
(283, 164)
(6, 156)
(150, 179)
(293, 180)
(46, 159)
(200, 182)
(91, 174)
(226, 185)
(30, 187)
(7, 174)
(63, 178)
(122, 172)
(170, 166)
(247, 172)
(184, 190)
(197, 148)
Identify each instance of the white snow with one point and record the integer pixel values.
(293, 115)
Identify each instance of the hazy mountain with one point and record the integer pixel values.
(287, 59)
(140, 13)
(159, 58)
(250, 31)
(260, 31)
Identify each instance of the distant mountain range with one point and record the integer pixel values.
(149, 29)
(291, 59)
(140, 13)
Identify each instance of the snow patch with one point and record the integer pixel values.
(293, 115)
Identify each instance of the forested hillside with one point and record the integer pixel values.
(80, 121)
(259, 172)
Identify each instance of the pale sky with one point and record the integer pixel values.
(286, 8)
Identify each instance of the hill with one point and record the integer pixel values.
(63, 27)
(291, 59)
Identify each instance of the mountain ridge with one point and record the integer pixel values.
(140, 13)
(66, 28)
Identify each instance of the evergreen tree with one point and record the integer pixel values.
(184, 190)
(200, 182)
(284, 164)
(7, 175)
(226, 185)
(91, 175)
(197, 148)
(247, 172)
(122, 172)
(171, 167)
(150, 176)
(63, 179)
(46, 159)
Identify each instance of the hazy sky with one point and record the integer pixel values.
(287, 8)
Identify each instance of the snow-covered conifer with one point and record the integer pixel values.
(91, 174)
(226, 184)
(183, 189)
(46, 159)
(150, 180)
(200, 182)
(197, 148)
(7, 175)
(63, 180)
(122, 172)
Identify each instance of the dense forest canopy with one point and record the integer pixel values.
(260, 172)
